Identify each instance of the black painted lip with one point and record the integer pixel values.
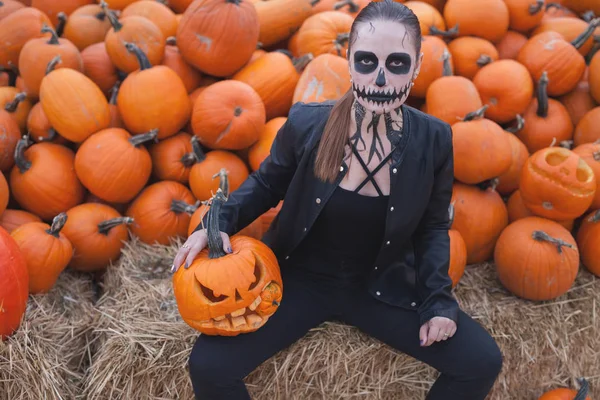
(380, 97)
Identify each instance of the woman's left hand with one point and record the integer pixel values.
(436, 329)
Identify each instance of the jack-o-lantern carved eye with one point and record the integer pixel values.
(257, 274)
(210, 295)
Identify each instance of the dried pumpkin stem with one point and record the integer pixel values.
(314, 2)
(51, 136)
(585, 35)
(197, 149)
(139, 54)
(12, 105)
(13, 73)
(53, 63)
(188, 159)
(172, 41)
(215, 241)
(588, 16)
(340, 42)
(223, 181)
(1, 3)
(520, 124)
(555, 5)
(112, 17)
(537, 7)
(487, 184)
(22, 163)
(542, 96)
(595, 217)
(180, 206)
(58, 223)
(352, 6)
(483, 60)
(301, 62)
(596, 155)
(105, 226)
(477, 114)
(137, 140)
(62, 22)
(583, 390)
(114, 92)
(100, 16)
(450, 33)
(544, 237)
(447, 67)
(567, 144)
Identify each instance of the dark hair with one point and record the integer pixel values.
(335, 133)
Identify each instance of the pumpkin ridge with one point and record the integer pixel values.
(571, 187)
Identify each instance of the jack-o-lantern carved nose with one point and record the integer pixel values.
(380, 78)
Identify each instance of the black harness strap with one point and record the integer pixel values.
(370, 174)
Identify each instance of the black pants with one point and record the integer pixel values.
(469, 361)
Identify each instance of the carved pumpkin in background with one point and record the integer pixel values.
(228, 294)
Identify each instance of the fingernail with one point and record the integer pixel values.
(229, 250)
(422, 341)
(172, 267)
(186, 265)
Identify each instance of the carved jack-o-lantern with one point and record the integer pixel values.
(228, 294)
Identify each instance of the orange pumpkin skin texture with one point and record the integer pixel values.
(481, 149)
(551, 264)
(18, 28)
(161, 212)
(587, 129)
(86, 26)
(38, 52)
(480, 217)
(228, 115)
(471, 54)
(17, 104)
(557, 184)
(173, 59)
(506, 101)
(590, 153)
(517, 210)
(262, 148)
(229, 294)
(326, 77)
(278, 19)
(450, 98)
(579, 101)
(3, 194)
(120, 4)
(9, 134)
(458, 252)
(98, 67)
(510, 45)
(571, 28)
(12, 219)
(68, 89)
(40, 128)
(47, 252)
(210, 29)
(98, 233)
(436, 57)
(113, 165)
(509, 181)
(179, 6)
(43, 181)
(430, 18)
(52, 8)
(325, 32)
(525, 14)
(14, 285)
(172, 158)
(588, 240)
(203, 182)
(9, 7)
(155, 11)
(487, 19)
(561, 394)
(144, 105)
(595, 77)
(549, 52)
(349, 7)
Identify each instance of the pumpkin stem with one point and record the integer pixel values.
(447, 68)
(54, 36)
(537, 7)
(58, 223)
(340, 42)
(114, 92)
(180, 206)
(188, 159)
(172, 41)
(105, 226)
(585, 35)
(542, 96)
(12, 105)
(236, 2)
(477, 114)
(237, 111)
(22, 163)
(588, 16)
(62, 22)
(259, 45)
(100, 16)
(542, 236)
(301, 62)
(223, 181)
(596, 155)
(483, 60)
(136, 140)
(53, 63)
(352, 6)
(490, 183)
(518, 127)
(112, 17)
(314, 2)
(451, 213)
(595, 217)
(567, 144)
(197, 149)
(215, 241)
(555, 5)
(139, 54)
(450, 33)
(50, 137)
(583, 390)
(13, 74)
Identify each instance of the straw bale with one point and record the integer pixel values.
(144, 345)
(46, 357)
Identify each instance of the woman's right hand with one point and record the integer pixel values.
(194, 245)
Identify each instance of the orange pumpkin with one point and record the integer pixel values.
(98, 234)
(430, 19)
(115, 116)
(471, 54)
(11, 132)
(172, 158)
(179, 6)
(505, 101)
(482, 150)
(587, 129)
(173, 59)
(53, 8)
(17, 105)
(279, 19)
(557, 183)
(588, 240)
(555, 9)
(590, 153)
(11, 219)
(510, 45)
(509, 181)
(574, 30)
(14, 284)
(517, 210)
(437, 62)
(350, 7)
(161, 212)
(326, 32)
(228, 294)
(228, 115)
(144, 105)
(262, 147)
(9, 6)
(86, 26)
(579, 101)
(155, 11)
(3, 194)
(525, 14)
(99, 68)
(480, 217)
(47, 251)
(458, 252)
(450, 98)
(552, 261)
(595, 77)
(326, 77)
(39, 127)
(222, 48)
(202, 175)
(582, 6)
(67, 89)
(487, 19)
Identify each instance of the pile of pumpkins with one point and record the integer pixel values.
(118, 117)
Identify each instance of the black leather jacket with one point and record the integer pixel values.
(411, 269)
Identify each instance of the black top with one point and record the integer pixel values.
(411, 266)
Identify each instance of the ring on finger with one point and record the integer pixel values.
(185, 246)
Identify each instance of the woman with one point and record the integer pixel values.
(362, 236)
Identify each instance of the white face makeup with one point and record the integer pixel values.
(382, 64)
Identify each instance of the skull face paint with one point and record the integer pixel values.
(382, 64)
